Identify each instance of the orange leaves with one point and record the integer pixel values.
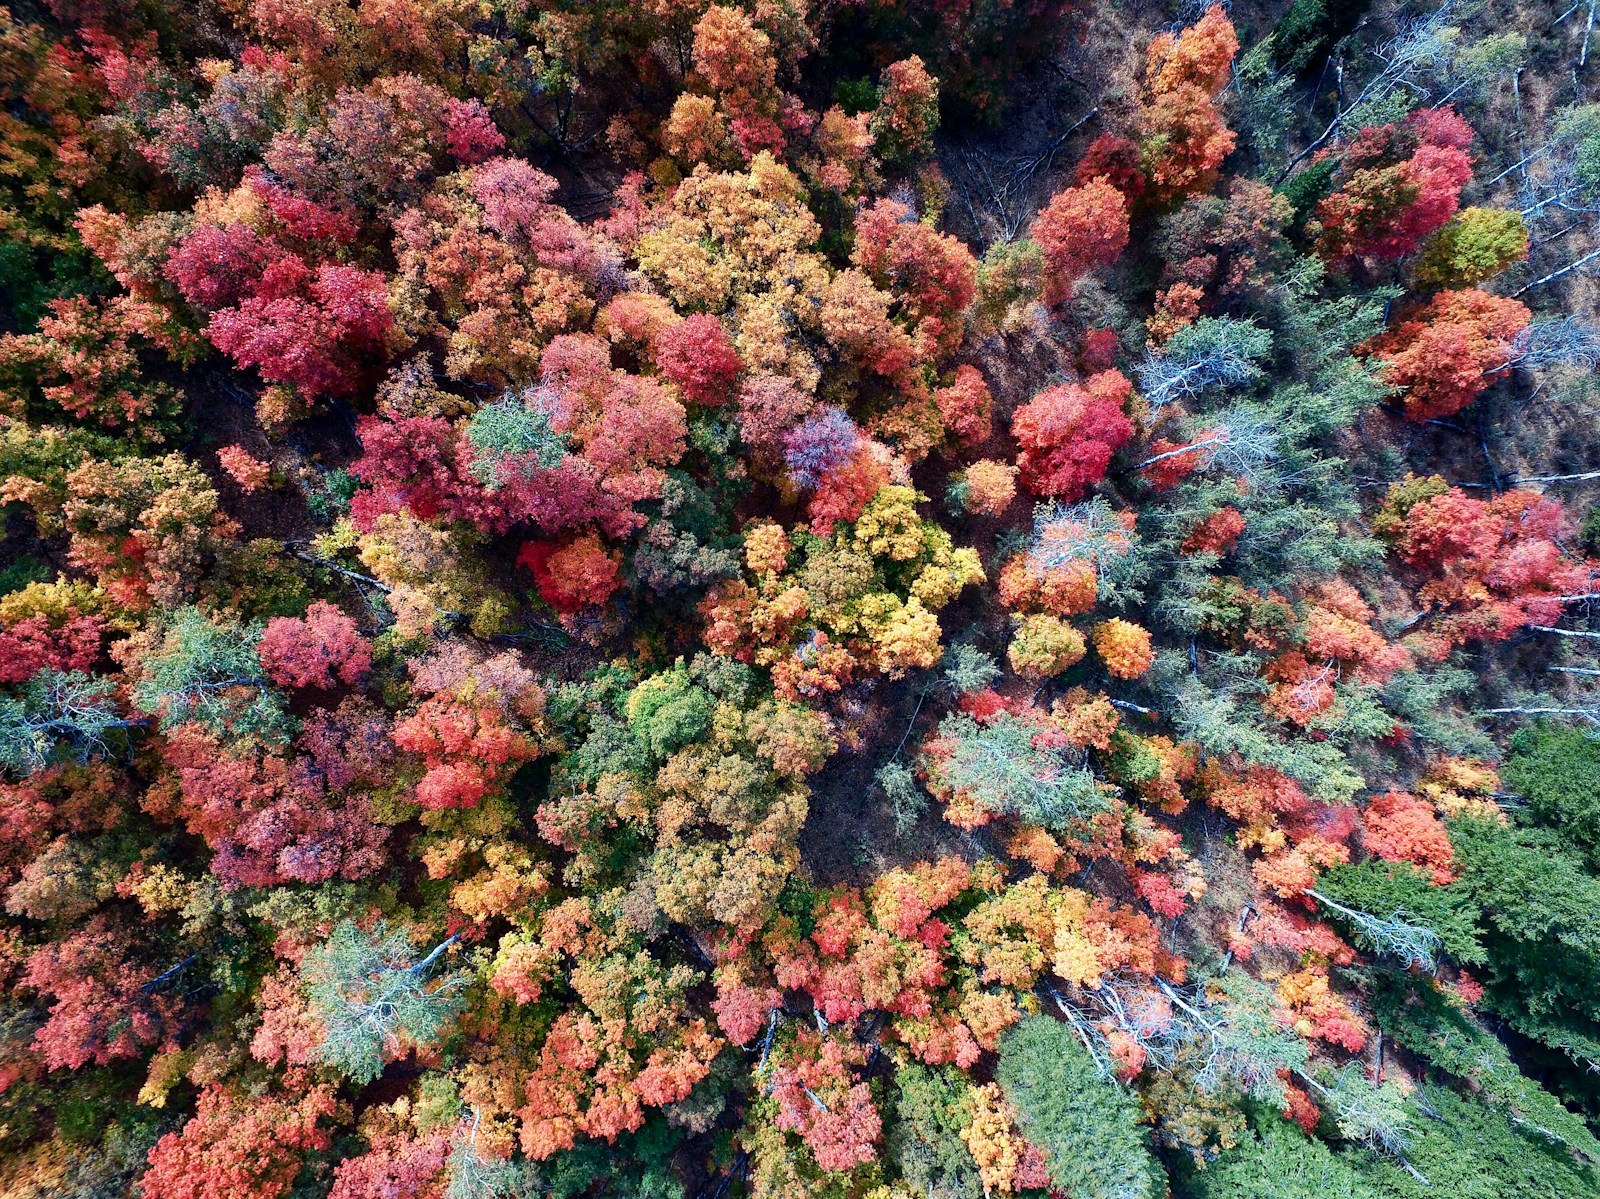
(1449, 351)
(1401, 828)
(1200, 56)
(465, 750)
(1007, 1162)
(1081, 228)
(736, 60)
(1320, 1013)
(580, 574)
(1124, 647)
(238, 1145)
(1185, 139)
(1216, 534)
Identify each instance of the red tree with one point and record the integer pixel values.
(1081, 228)
(1069, 432)
(102, 1004)
(1401, 183)
(697, 355)
(237, 1145)
(1448, 352)
(323, 650)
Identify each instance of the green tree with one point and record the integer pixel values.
(1557, 770)
(924, 1135)
(207, 672)
(59, 716)
(373, 996)
(1087, 1126)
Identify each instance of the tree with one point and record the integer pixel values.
(238, 1145)
(1184, 138)
(1211, 352)
(1448, 352)
(374, 998)
(907, 114)
(1397, 909)
(315, 342)
(816, 1087)
(1069, 432)
(104, 1003)
(59, 716)
(582, 573)
(1124, 648)
(930, 1111)
(1557, 772)
(1081, 228)
(1086, 1125)
(698, 356)
(1044, 645)
(985, 487)
(1401, 184)
(1007, 765)
(321, 651)
(1474, 245)
(203, 671)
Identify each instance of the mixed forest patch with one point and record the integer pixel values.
(871, 600)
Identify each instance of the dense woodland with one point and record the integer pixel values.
(873, 600)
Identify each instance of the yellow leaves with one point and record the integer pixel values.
(889, 526)
(166, 1071)
(1462, 786)
(943, 578)
(1044, 645)
(907, 636)
(161, 889)
(992, 1139)
(766, 548)
(695, 131)
(508, 883)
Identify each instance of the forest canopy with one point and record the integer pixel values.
(799, 600)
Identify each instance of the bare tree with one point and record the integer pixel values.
(1211, 352)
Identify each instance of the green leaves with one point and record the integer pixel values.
(374, 996)
(1000, 765)
(60, 716)
(205, 672)
(1086, 1124)
(1392, 907)
(514, 435)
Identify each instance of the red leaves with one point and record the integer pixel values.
(270, 822)
(465, 747)
(322, 651)
(819, 1097)
(313, 343)
(582, 573)
(932, 276)
(238, 1145)
(1492, 567)
(1402, 828)
(697, 355)
(36, 642)
(1069, 432)
(1386, 211)
(101, 1004)
(1081, 228)
(965, 406)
